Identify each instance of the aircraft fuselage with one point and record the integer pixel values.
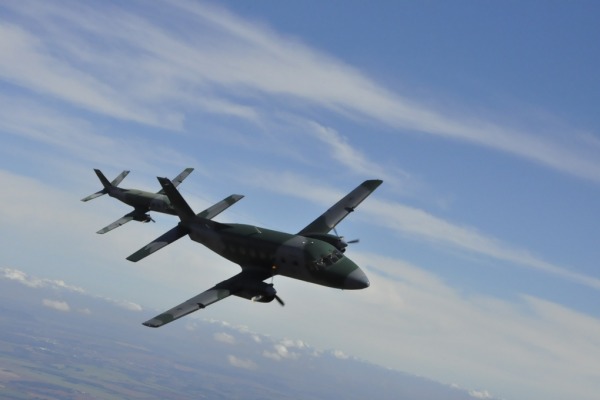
(281, 253)
(142, 200)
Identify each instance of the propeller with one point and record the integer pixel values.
(343, 242)
(279, 300)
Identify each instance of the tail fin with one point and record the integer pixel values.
(107, 185)
(183, 210)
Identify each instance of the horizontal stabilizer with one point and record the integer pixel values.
(174, 234)
(221, 206)
(93, 196)
(330, 218)
(119, 178)
(179, 178)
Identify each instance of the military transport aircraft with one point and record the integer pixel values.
(141, 201)
(312, 255)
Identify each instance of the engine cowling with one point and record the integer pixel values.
(259, 291)
(143, 217)
(335, 241)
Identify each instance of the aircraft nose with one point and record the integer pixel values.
(356, 280)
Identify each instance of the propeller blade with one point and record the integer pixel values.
(279, 300)
(353, 241)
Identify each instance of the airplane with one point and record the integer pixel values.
(141, 201)
(312, 255)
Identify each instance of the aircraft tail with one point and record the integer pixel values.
(107, 185)
(180, 230)
(183, 210)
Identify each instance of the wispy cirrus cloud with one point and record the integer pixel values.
(140, 68)
(534, 336)
(348, 156)
(420, 224)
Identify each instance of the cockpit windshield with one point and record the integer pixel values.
(329, 259)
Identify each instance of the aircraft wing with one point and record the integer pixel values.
(172, 235)
(330, 218)
(218, 292)
(121, 221)
(179, 178)
(180, 231)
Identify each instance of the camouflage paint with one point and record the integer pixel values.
(312, 255)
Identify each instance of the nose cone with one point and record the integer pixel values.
(356, 280)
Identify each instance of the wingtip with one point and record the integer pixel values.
(372, 184)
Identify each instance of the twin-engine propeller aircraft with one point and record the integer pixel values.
(312, 255)
(141, 201)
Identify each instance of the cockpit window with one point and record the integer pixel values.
(329, 259)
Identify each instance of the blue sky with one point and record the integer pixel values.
(482, 244)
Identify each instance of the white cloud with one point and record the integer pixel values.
(348, 156)
(242, 363)
(445, 334)
(281, 352)
(128, 305)
(56, 305)
(538, 346)
(340, 354)
(23, 278)
(483, 394)
(33, 282)
(155, 67)
(256, 338)
(224, 338)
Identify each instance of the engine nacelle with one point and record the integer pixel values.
(260, 291)
(335, 241)
(143, 217)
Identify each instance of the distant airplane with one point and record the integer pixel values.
(312, 255)
(141, 201)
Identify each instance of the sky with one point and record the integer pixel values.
(481, 245)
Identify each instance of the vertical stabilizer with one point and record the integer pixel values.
(107, 185)
(183, 210)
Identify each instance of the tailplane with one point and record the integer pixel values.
(107, 185)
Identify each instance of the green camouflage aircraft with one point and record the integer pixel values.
(141, 201)
(312, 255)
